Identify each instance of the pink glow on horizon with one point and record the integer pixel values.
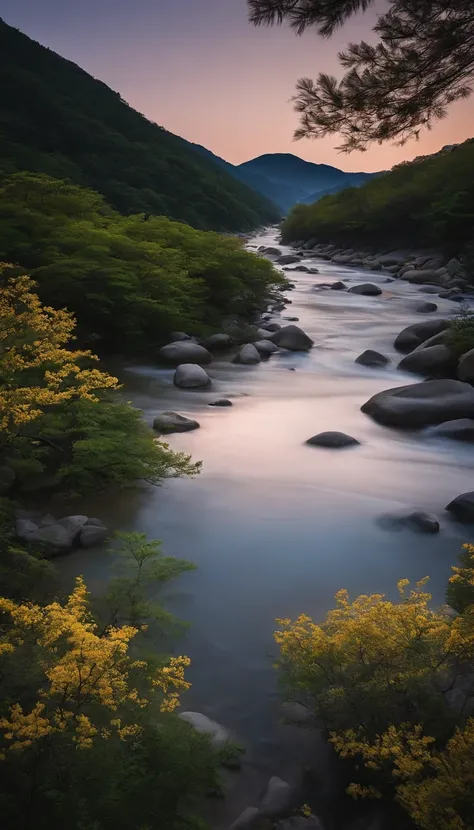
(201, 71)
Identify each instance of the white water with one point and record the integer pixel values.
(277, 527)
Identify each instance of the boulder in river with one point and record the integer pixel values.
(168, 422)
(190, 376)
(92, 535)
(466, 367)
(434, 362)
(339, 286)
(221, 402)
(372, 358)
(335, 440)
(292, 338)
(278, 798)
(368, 289)
(412, 336)
(422, 404)
(271, 252)
(185, 351)
(462, 507)
(248, 355)
(57, 538)
(287, 259)
(217, 341)
(272, 327)
(426, 308)
(429, 289)
(301, 268)
(462, 429)
(418, 520)
(218, 734)
(418, 277)
(265, 347)
(177, 336)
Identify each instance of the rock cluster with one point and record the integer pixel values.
(57, 536)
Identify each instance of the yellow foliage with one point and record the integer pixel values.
(83, 672)
(36, 367)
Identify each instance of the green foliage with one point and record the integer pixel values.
(460, 333)
(23, 574)
(141, 566)
(57, 119)
(426, 202)
(128, 280)
(460, 590)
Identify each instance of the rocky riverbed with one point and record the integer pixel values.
(287, 511)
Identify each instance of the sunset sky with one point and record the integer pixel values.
(199, 69)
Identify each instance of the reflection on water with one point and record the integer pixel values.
(277, 527)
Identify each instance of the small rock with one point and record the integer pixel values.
(292, 338)
(185, 352)
(461, 429)
(248, 355)
(24, 529)
(216, 342)
(191, 376)
(291, 319)
(287, 259)
(271, 252)
(332, 439)
(92, 535)
(248, 820)
(168, 422)
(462, 507)
(302, 268)
(426, 308)
(221, 402)
(338, 286)
(371, 358)
(367, 289)
(219, 735)
(430, 289)
(278, 798)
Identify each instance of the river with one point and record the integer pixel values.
(276, 527)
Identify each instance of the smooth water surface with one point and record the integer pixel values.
(277, 527)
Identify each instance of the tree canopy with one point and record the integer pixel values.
(423, 62)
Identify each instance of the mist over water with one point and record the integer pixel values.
(277, 527)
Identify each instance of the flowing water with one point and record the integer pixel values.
(277, 527)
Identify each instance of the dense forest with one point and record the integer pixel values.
(130, 280)
(57, 119)
(428, 202)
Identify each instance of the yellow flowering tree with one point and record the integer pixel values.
(37, 369)
(83, 678)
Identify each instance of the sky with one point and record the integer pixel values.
(199, 69)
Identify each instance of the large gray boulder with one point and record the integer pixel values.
(190, 376)
(73, 524)
(265, 347)
(334, 440)
(278, 798)
(418, 277)
(417, 333)
(185, 351)
(287, 259)
(217, 341)
(272, 327)
(462, 507)
(422, 404)
(368, 289)
(292, 338)
(371, 358)
(168, 422)
(434, 362)
(218, 734)
(417, 520)
(466, 367)
(248, 355)
(24, 528)
(92, 535)
(56, 538)
(461, 429)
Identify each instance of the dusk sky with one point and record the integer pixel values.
(198, 68)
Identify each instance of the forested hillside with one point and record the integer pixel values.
(129, 280)
(428, 202)
(57, 119)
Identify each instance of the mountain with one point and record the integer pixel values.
(57, 119)
(289, 179)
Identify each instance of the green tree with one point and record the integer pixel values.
(423, 62)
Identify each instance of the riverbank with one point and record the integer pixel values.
(276, 527)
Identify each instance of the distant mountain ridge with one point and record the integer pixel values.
(57, 119)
